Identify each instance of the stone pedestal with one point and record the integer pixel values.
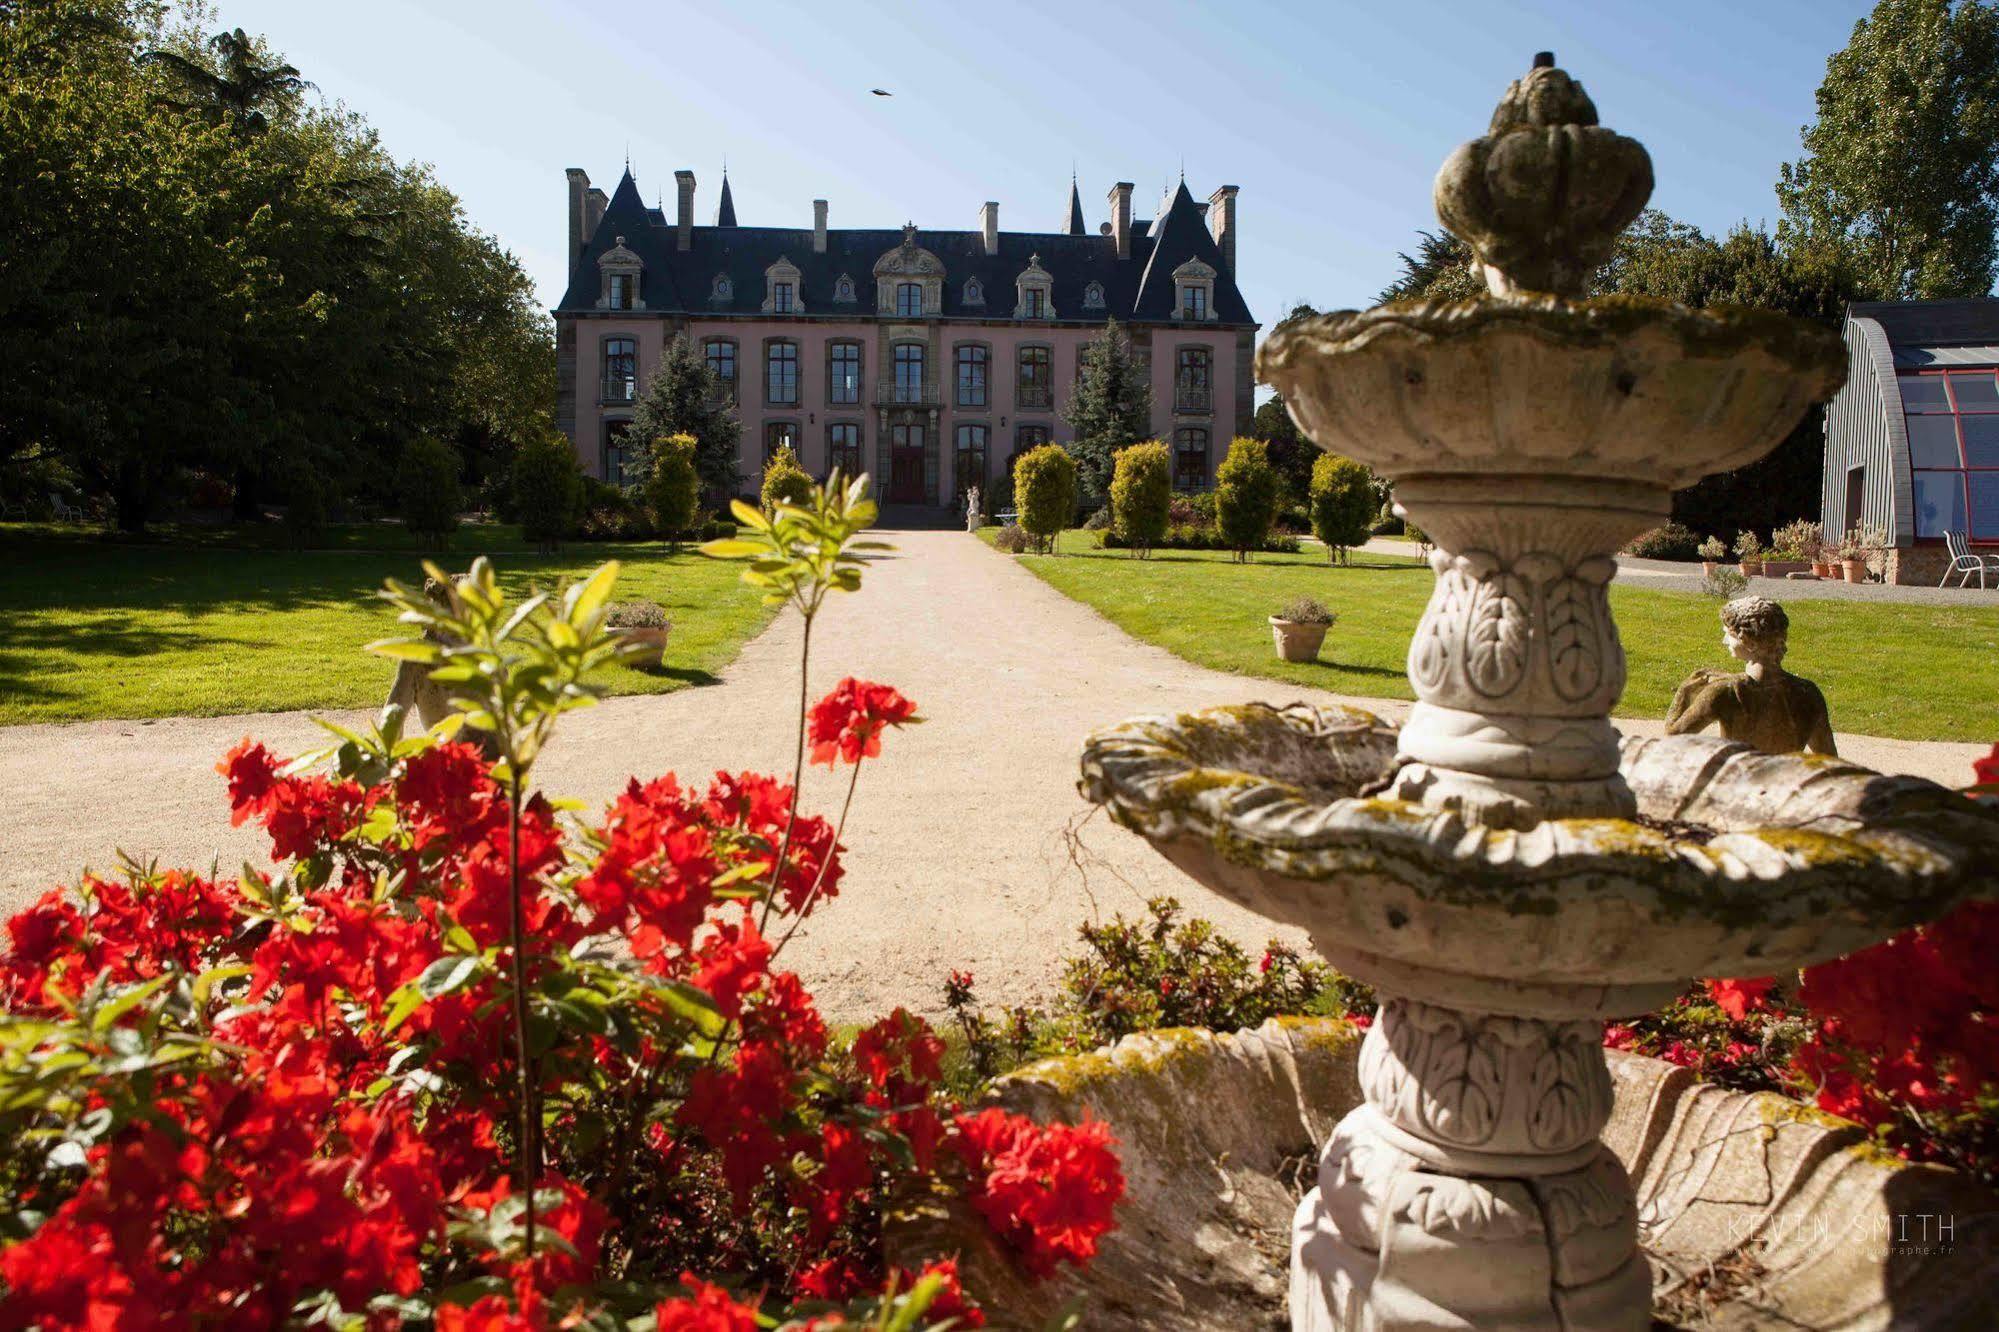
(1471, 1189)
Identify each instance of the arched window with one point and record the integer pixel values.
(972, 362)
(720, 354)
(781, 373)
(1034, 386)
(909, 300)
(843, 448)
(843, 290)
(722, 291)
(621, 370)
(779, 435)
(975, 292)
(1093, 296)
(1952, 421)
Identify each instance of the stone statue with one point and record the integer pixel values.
(414, 690)
(1765, 706)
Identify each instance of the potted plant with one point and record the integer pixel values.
(1749, 553)
(641, 628)
(1854, 548)
(1712, 552)
(1299, 628)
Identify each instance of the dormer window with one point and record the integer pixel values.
(975, 292)
(1093, 296)
(909, 280)
(781, 290)
(1194, 291)
(909, 300)
(843, 290)
(1033, 292)
(722, 291)
(619, 271)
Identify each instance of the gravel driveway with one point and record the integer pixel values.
(964, 852)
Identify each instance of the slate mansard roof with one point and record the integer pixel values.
(682, 282)
(1927, 333)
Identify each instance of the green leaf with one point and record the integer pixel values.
(594, 593)
(446, 975)
(404, 1002)
(733, 548)
(406, 649)
(693, 1005)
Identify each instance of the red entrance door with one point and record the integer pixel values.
(906, 465)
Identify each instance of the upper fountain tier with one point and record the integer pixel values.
(1535, 381)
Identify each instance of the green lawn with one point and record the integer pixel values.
(1910, 672)
(92, 627)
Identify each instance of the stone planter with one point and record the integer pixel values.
(1297, 640)
(1753, 1211)
(1784, 568)
(1855, 570)
(643, 647)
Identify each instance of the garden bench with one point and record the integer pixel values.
(1965, 562)
(1007, 516)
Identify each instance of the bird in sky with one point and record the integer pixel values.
(881, 92)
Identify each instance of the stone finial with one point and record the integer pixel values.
(1543, 196)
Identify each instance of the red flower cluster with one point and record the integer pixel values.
(1047, 1190)
(846, 725)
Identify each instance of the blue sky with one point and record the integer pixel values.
(1331, 116)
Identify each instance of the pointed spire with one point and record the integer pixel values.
(725, 210)
(1074, 226)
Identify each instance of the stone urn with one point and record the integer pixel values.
(643, 646)
(1298, 640)
(1505, 869)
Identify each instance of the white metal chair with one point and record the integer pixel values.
(1965, 562)
(65, 512)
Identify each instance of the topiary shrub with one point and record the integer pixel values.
(1141, 495)
(1044, 491)
(1245, 496)
(1342, 504)
(1013, 539)
(673, 487)
(547, 490)
(785, 482)
(1670, 542)
(427, 487)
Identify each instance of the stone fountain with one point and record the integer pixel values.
(1505, 870)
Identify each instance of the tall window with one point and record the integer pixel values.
(843, 448)
(843, 374)
(779, 435)
(970, 467)
(972, 376)
(1193, 301)
(781, 374)
(909, 372)
(720, 354)
(1029, 437)
(1034, 302)
(780, 298)
(1191, 381)
(616, 457)
(624, 288)
(1190, 459)
(909, 300)
(1035, 388)
(1953, 423)
(621, 369)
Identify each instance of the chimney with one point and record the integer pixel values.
(1120, 199)
(818, 226)
(989, 226)
(579, 185)
(684, 186)
(593, 212)
(1221, 224)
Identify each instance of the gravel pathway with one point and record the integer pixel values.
(966, 851)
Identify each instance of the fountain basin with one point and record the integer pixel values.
(1753, 1211)
(1739, 864)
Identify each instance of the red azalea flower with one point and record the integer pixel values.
(1047, 1190)
(707, 1309)
(1986, 770)
(847, 724)
(251, 770)
(1739, 998)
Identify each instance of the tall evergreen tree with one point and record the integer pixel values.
(1112, 408)
(1441, 270)
(1290, 453)
(1900, 171)
(685, 397)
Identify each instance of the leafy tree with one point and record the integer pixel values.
(785, 482)
(1246, 487)
(673, 487)
(238, 82)
(548, 489)
(685, 397)
(1044, 492)
(1442, 269)
(1141, 495)
(427, 484)
(1112, 407)
(1286, 446)
(1900, 171)
(1342, 504)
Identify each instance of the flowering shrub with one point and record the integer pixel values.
(466, 1061)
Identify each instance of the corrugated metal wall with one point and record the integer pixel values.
(1864, 429)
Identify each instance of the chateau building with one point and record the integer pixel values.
(927, 358)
